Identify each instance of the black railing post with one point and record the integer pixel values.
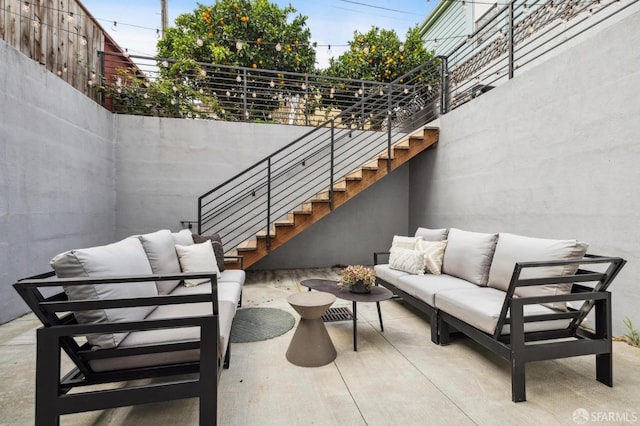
(245, 111)
(444, 83)
(102, 80)
(511, 46)
(332, 164)
(268, 204)
(362, 96)
(199, 215)
(306, 99)
(389, 124)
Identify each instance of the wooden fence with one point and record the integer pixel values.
(59, 34)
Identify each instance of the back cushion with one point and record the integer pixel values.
(468, 255)
(218, 249)
(514, 248)
(161, 252)
(126, 257)
(432, 234)
(183, 237)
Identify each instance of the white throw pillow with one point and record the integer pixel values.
(433, 253)
(404, 242)
(197, 258)
(407, 260)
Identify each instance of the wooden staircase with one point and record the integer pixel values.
(344, 189)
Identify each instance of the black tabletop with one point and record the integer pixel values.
(329, 286)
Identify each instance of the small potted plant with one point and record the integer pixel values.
(358, 279)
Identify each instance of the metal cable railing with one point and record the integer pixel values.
(189, 89)
(283, 182)
(520, 35)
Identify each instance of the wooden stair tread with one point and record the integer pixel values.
(247, 246)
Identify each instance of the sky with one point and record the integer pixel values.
(332, 22)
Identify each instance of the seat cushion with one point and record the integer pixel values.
(426, 287)
(388, 274)
(232, 275)
(226, 312)
(514, 248)
(468, 255)
(432, 234)
(481, 307)
(161, 252)
(229, 291)
(126, 257)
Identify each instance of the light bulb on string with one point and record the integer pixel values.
(70, 17)
(126, 53)
(464, 5)
(165, 63)
(83, 41)
(158, 33)
(114, 27)
(272, 84)
(435, 43)
(199, 42)
(239, 79)
(239, 45)
(278, 47)
(526, 8)
(401, 48)
(329, 50)
(25, 6)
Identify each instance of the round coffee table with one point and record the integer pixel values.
(311, 345)
(377, 295)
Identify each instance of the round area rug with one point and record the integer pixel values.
(256, 324)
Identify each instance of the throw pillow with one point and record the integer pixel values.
(407, 260)
(161, 252)
(216, 242)
(404, 242)
(197, 258)
(433, 253)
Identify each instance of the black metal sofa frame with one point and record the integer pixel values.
(516, 346)
(55, 311)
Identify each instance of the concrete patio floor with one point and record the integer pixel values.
(395, 378)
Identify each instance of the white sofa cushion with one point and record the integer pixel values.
(226, 312)
(388, 274)
(126, 257)
(228, 291)
(402, 242)
(468, 255)
(197, 258)
(481, 307)
(232, 275)
(426, 287)
(161, 252)
(183, 237)
(515, 248)
(432, 234)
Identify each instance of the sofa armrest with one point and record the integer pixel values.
(237, 258)
(377, 254)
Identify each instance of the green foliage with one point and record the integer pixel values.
(248, 33)
(379, 55)
(632, 336)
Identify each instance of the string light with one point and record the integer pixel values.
(278, 47)
(25, 6)
(158, 33)
(199, 42)
(464, 5)
(239, 45)
(329, 50)
(114, 27)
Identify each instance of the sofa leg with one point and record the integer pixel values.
(240, 301)
(443, 332)
(435, 338)
(227, 357)
(604, 369)
(518, 386)
(47, 378)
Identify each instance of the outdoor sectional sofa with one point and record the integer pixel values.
(525, 299)
(132, 310)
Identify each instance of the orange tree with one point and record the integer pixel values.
(380, 55)
(246, 33)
